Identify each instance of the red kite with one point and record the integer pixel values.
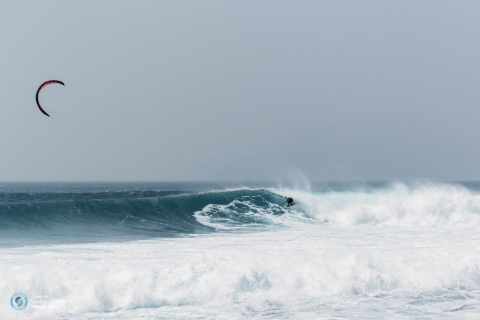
(46, 83)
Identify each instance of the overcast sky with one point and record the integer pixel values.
(226, 90)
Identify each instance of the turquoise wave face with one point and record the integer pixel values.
(90, 216)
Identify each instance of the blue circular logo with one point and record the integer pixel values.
(19, 301)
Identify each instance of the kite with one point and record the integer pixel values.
(46, 83)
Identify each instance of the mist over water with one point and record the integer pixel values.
(376, 250)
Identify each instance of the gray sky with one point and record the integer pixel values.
(269, 90)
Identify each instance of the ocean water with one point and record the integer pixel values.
(213, 251)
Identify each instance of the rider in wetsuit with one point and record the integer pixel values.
(289, 201)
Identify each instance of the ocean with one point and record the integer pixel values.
(373, 250)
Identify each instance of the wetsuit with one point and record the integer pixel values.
(289, 201)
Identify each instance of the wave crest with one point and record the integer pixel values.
(247, 212)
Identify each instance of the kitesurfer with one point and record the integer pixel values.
(289, 201)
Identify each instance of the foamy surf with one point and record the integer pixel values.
(291, 273)
(396, 205)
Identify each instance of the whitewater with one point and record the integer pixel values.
(213, 251)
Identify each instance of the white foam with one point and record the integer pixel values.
(428, 205)
(301, 272)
